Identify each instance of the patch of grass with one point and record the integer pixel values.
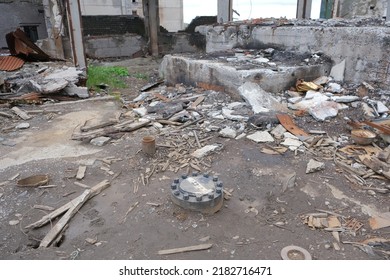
(141, 76)
(110, 75)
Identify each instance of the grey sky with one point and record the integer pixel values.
(247, 8)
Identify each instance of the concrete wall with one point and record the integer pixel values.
(370, 8)
(17, 13)
(171, 11)
(171, 14)
(113, 46)
(101, 7)
(365, 49)
(132, 44)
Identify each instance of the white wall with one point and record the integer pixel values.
(171, 11)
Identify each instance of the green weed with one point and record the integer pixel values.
(110, 75)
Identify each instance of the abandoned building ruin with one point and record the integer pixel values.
(230, 139)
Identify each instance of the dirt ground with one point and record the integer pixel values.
(259, 219)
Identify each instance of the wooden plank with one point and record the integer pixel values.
(47, 218)
(109, 130)
(86, 128)
(375, 164)
(197, 102)
(23, 115)
(381, 127)
(382, 220)
(81, 185)
(288, 124)
(57, 229)
(3, 114)
(81, 172)
(185, 249)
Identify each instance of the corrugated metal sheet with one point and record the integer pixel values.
(10, 63)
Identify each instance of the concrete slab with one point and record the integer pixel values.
(190, 70)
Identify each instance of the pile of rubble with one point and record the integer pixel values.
(44, 80)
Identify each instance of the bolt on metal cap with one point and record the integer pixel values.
(211, 195)
(173, 186)
(177, 193)
(186, 196)
(176, 181)
(206, 175)
(220, 184)
(184, 176)
(215, 178)
(199, 198)
(194, 174)
(218, 190)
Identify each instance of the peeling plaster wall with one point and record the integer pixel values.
(365, 49)
(16, 13)
(370, 8)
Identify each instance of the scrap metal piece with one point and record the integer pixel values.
(198, 192)
(295, 253)
(10, 63)
(19, 44)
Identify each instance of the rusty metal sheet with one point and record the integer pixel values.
(288, 124)
(19, 44)
(10, 63)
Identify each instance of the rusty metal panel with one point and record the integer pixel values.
(19, 44)
(10, 63)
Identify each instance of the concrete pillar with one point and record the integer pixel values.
(53, 20)
(75, 33)
(225, 11)
(303, 9)
(152, 24)
(388, 11)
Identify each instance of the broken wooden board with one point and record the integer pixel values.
(90, 127)
(57, 229)
(197, 102)
(47, 218)
(381, 221)
(375, 164)
(81, 136)
(151, 85)
(288, 124)
(384, 127)
(356, 149)
(20, 113)
(185, 249)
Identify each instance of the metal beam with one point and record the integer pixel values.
(75, 33)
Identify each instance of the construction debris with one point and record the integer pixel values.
(314, 166)
(70, 209)
(185, 249)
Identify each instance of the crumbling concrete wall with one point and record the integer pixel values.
(113, 46)
(129, 45)
(366, 50)
(18, 13)
(370, 8)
